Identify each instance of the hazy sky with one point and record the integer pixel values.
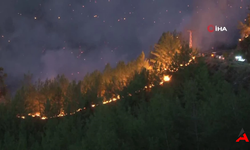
(47, 37)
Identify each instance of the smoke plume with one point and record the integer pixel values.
(74, 37)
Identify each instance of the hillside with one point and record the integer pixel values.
(168, 101)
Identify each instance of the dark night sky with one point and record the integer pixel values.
(91, 33)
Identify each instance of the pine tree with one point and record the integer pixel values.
(141, 62)
(245, 27)
(107, 73)
(107, 68)
(245, 41)
(168, 45)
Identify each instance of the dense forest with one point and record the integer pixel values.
(172, 100)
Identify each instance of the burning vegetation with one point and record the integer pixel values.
(59, 97)
(175, 99)
(172, 92)
(104, 96)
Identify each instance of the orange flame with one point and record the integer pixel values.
(166, 78)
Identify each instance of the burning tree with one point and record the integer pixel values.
(168, 45)
(245, 27)
(171, 51)
(244, 43)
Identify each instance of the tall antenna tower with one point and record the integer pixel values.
(190, 38)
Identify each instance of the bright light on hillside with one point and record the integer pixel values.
(239, 58)
(166, 78)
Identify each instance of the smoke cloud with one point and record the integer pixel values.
(222, 13)
(74, 37)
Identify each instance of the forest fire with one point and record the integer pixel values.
(166, 78)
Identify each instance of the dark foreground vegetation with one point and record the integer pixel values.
(197, 109)
(202, 107)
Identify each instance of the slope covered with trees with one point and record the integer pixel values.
(196, 109)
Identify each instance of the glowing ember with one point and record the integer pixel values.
(37, 114)
(166, 78)
(61, 114)
(78, 110)
(43, 118)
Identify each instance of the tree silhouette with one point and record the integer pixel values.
(167, 47)
(245, 27)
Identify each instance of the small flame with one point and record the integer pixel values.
(37, 114)
(78, 110)
(166, 78)
(43, 118)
